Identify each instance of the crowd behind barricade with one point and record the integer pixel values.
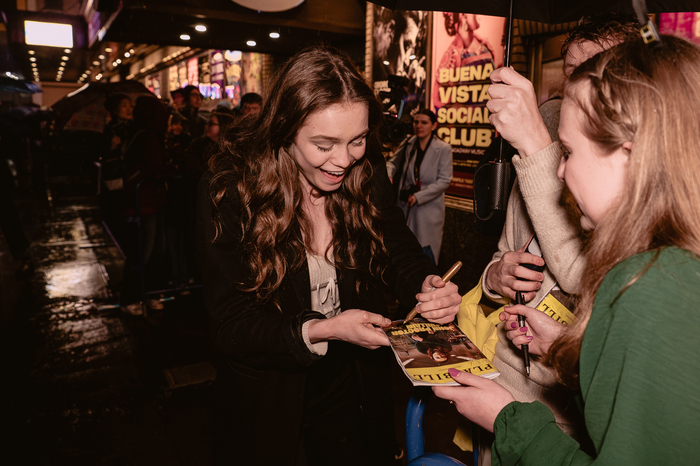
(151, 158)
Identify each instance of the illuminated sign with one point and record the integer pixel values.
(49, 34)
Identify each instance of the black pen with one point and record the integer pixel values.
(521, 322)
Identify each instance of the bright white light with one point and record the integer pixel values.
(119, 60)
(275, 35)
(101, 57)
(114, 63)
(251, 43)
(31, 52)
(127, 55)
(67, 51)
(63, 63)
(32, 59)
(200, 28)
(61, 68)
(49, 34)
(386, 62)
(185, 37)
(64, 58)
(412, 57)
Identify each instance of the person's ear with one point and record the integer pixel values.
(627, 146)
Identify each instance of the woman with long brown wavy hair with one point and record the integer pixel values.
(628, 128)
(297, 232)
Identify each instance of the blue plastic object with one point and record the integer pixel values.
(415, 443)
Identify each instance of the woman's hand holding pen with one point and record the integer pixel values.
(355, 326)
(540, 333)
(440, 305)
(479, 399)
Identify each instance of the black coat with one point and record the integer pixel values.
(268, 373)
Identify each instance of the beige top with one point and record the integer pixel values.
(324, 296)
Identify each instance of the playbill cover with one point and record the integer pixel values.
(426, 350)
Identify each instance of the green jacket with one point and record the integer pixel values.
(639, 372)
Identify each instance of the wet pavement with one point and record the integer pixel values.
(85, 383)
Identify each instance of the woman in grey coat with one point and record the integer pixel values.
(421, 170)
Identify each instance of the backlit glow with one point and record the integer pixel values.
(49, 34)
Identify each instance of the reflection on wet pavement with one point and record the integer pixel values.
(88, 383)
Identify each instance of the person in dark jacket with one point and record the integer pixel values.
(144, 191)
(196, 122)
(297, 234)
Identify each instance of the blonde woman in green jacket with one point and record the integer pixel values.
(631, 162)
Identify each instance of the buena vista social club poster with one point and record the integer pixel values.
(466, 49)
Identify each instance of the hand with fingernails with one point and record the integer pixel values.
(478, 399)
(541, 330)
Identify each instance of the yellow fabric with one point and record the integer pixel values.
(482, 331)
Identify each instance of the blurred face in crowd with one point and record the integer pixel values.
(251, 109)
(178, 101)
(329, 143)
(213, 128)
(423, 127)
(195, 99)
(594, 178)
(125, 110)
(176, 128)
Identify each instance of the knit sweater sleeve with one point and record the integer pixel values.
(558, 237)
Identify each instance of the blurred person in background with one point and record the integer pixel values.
(421, 170)
(196, 122)
(251, 104)
(144, 167)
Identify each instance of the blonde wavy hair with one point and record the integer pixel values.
(650, 97)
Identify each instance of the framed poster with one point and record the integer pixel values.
(466, 49)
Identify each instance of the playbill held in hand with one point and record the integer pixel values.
(426, 351)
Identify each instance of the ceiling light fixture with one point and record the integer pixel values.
(32, 59)
(101, 57)
(275, 35)
(67, 50)
(251, 43)
(31, 52)
(184, 37)
(200, 28)
(109, 50)
(64, 58)
(119, 60)
(127, 55)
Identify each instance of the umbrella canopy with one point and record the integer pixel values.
(543, 11)
(83, 110)
(18, 85)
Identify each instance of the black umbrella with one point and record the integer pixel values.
(88, 103)
(18, 85)
(544, 11)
